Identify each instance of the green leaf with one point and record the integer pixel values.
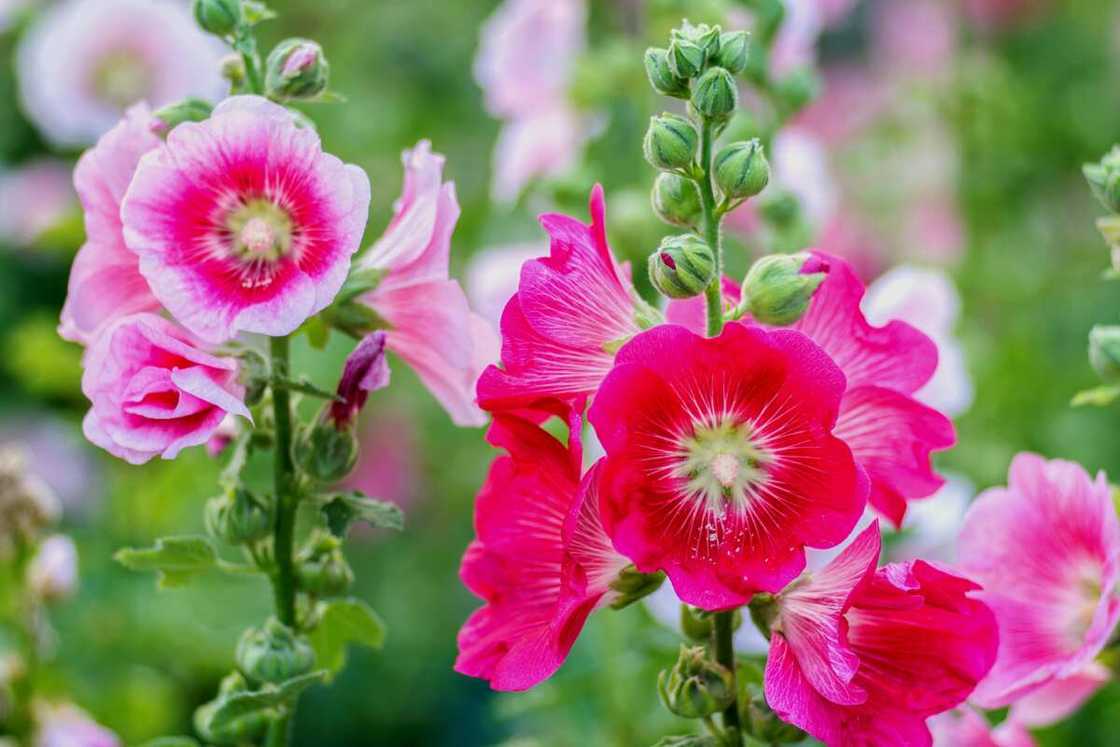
(318, 332)
(1100, 396)
(176, 560)
(688, 740)
(171, 742)
(229, 709)
(255, 12)
(343, 622)
(342, 509)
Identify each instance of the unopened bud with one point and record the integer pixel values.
(239, 518)
(670, 142)
(714, 94)
(696, 686)
(188, 110)
(763, 724)
(273, 653)
(219, 17)
(703, 35)
(327, 453)
(233, 70)
(732, 55)
(630, 585)
(682, 267)
(238, 730)
(53, 572)
(321, 568)
(779, 287)
(676, 200)
(296, 69)
(685, 57)
(1104, 179)
(661, 75)
(1104, 352)
(696, 624)
(254, 374)
(742, 169)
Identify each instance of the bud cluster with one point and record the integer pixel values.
(1104, 339)
(696, 686)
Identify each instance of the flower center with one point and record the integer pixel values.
(724, 464)
(260, 232)
(121, 78)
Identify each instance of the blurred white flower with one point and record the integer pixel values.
(34, 197)
(65, 725)
(492, 275)
(53, 572)
(932, 524)
(799, 161)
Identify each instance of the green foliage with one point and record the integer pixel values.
(342, 623)
(344, 508)
(176, 560)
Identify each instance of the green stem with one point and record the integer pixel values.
(722, 630)
(246, 45)
(279, 731)
(710, 227)
(283, 579)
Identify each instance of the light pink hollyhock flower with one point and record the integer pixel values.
(34, 197)
(1060, 697)
(544, 143)
(714, 449)
(242, 223)
(917, 37)
(800, 164)
(541, 560)
(85, 61)
(492, 275)
(53, 572)
(571, 311)
(1046, 549)
(432, 326)
(851, 99)
(154, 391)
(861, 657)
(65, 725)
(795, 45)
(964, 727)
(105, 281)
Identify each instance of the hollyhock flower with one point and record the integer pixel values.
(34, 198)
(919, 37)
(154, 391)
(84, 61)
(432, 326)
(365, 371)
(53, 572)
(964, 727)
(862, 657)
(540, 561)
(389, 459)
(492, 275)
(571, 311)
(714, 459)
(64, 725)
(545, 143)
(105, 281)
(800, 164)
(1060, 697)
(1046, 549)
(242, 223)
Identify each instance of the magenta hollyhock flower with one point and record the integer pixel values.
(365, 371)
(431, 324)
(105, 281)
(964, 727)
(154, 390)
(861, 657)
(716, 452)
(541, 560)
(571, 311)
(242, 223)
(83, 62)
(1046, 549)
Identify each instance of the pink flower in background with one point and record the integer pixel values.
(242, 223)
(571, 312)
(540, 561)
(492, 275)
(34, 197)
(431, 324)
(53, 572)
(1046, 549)
(1060, 697)
(388, 461)
(544, 143)
(861, 656)
(715, 452)
(964, 727)
(800, 165)
(154, 391)
(84, 62)
(105, 281)
(64, 725)
(918, 37)
(1000, 13)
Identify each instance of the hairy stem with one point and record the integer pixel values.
(284, 479)
(722, 631)
(710, 227)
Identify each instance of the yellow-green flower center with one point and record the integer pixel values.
(723, 464)
(260, 231)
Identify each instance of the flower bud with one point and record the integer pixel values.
(778, 287)
(742, 169)
(670, 142)
(661, 75)
(631, 585)
(696, 624)
(732, 55)
(254, 374)
(296, 69)
(676, 199)
(326, 453)
(682, 267)
(247, 728)
(239, 518)
(685, 57)
(714, 94)
(764, 725)
(188, 110)
(1104, 179)
(219, 17)
(696, 686)
(53, 572)
(1104, 352)
(273, 653)
(233, 70)
(321, 568)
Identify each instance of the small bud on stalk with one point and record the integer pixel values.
(742, 170)
(321, 567)
(188, 110)
(696, 686)
(661, 75)
(685, 57)
(632, 585)
(676, 200)
(779, 287)
(714, 94)
(239, 518)
(764, 725)
(1104, 352)
(682, 267)
(296, 69)
(670, 142)
(218, 17)
(233, 70)
(247, 728)
(1104, 179)
(273, 653)
(732, 55)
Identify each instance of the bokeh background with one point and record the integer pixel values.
(946, 135)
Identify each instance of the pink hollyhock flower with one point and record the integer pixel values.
(800, 164)
(34, 198)
(1046, 548)
(105, 280)
(1060, 697)
(571, 311)
(862, 657)
(918, 36)
(64, 725)
(53, 572)
(541, 560)
(154, 391)
(714, 459)
(492, 275)
(545, 143)
(389, 459)
(365, 371)
(85, 61)
(431, 324)
(964, 727)
(242, 223)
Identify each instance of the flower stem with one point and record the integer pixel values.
(246, 45)
(722, 630)
(279, 731)
(283, 579)
(710, 226)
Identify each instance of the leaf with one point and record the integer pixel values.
(318, 332)
(255, 12)
(342, 509)
(229, 709)
(1099, 396)
(176, 560)
(171, 742)
(343, 622)
(688, 740)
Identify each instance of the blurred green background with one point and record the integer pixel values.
(1024, 105)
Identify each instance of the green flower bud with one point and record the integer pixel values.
(188, 110)
(1104, 179)
(742, 169)
(703, 35)
(685, 57)
(296, 69)
(247, 728)
(661, 75)
(778, 287)
(254, 375)
(326, 453)
(676, 200)
(219, 17)
(682, 267)
(714, 94)
(764, 725)
(670, 142)
(732, 55)
(631, 585)
(239, 518)
(696, 624)
(321, 568)
(273, 653)
(233, 70)
(1104, 352)
(696, 686)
